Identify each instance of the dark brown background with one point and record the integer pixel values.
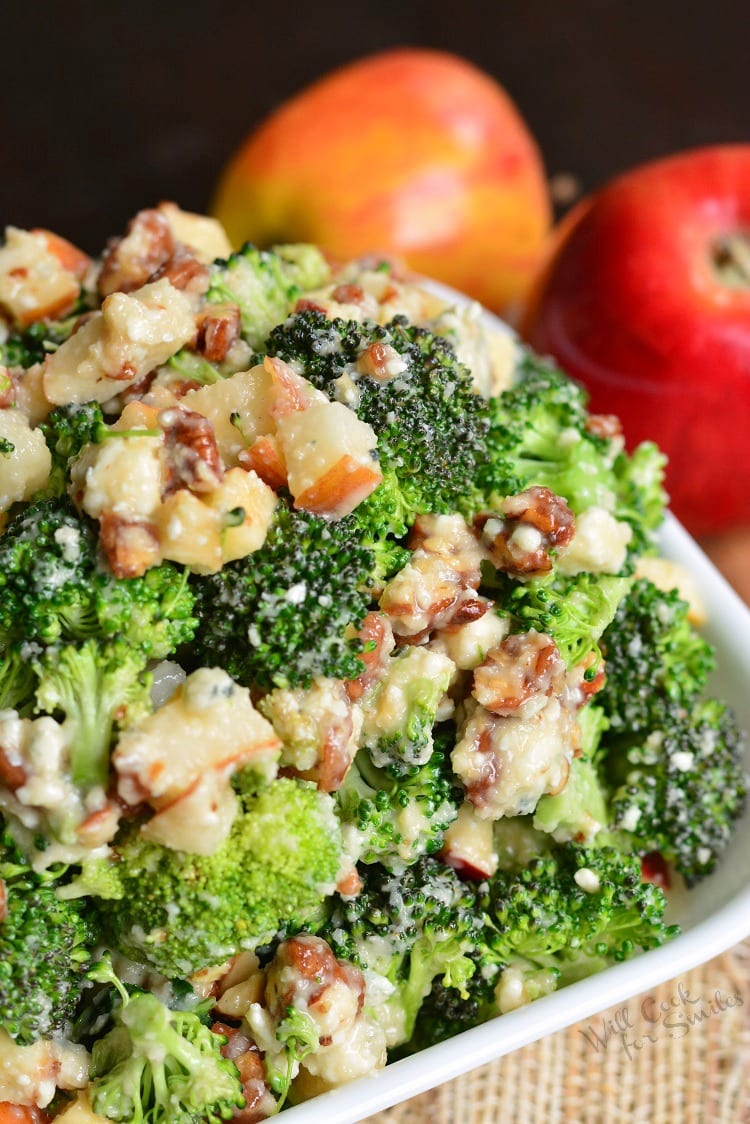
(107, 107)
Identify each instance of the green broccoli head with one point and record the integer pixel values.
(265, 284)
(67, 429)
(574, 911)
(400, 711)
(94, 687)
(430, 423)
(53, 589)
(181, 912)
(287, 613)
(397, 818)
(682, 788)
(17, 681)
(161, 1066)
(45, 948)
(411, 928)
(574, 610)
(541, 433)
(654, 657)
(32, 345)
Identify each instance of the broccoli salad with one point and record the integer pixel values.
(345, 702)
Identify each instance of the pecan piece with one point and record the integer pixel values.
(183, 270)
(192, 455)
(529, 527)
(131, 548)
(129, 261)
(219, 328)
(520, 674)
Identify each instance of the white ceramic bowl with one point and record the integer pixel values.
(713, 916)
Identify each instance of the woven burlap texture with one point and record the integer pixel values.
(683, 1057)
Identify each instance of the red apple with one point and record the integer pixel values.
(411, 152)
(646, 300)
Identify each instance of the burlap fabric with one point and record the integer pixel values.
(679, 1054)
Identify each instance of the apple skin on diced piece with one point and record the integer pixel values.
(329, 454)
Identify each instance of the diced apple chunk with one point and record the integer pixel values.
(290, 392)
(190, 532)
(203, 235)
(25, 464)
(209, 724)
(200, 819)
(131, 335)
(254, 502)
(238, 408)
(228, 523)
(468, 845)
(330, 458)
(33, 281)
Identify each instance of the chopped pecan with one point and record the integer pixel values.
(521, 672)
(306, 304)
(376, 637)
(432, 588)
(11, 775)
(183, 269)
(131, 548)
(348, 294)
(381, 362)
(528, 528)
(245, 1054)
(192, 455)
(604, 425)
(129, 261)
(304, 968)
(219, 327)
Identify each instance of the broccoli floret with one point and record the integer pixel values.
(399, 712)
(398, 818)
(430, 423)
(52, 588)
(539, 435)
(180, 912)
(653, 657)
(17, 682)
(446, 1012)
(44, 950)
(412, 929)
(265, 284)
(299, 1036)
(287, 612)
(574, 610)
(160, 1066)
(574, 911)
(96, 687)
(641, 499)
(683, 787)
(34, 344)
(67, 429)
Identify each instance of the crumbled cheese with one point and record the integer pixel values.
(587, 880)
(682, 761)
(630, 817)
